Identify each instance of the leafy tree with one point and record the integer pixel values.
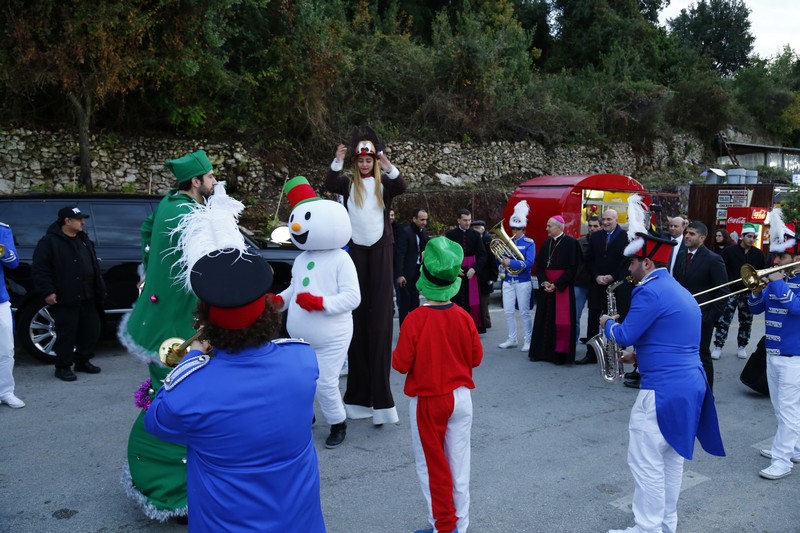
(88, 50)
(769, 90)
(534, 16)
(482, 65)
(700, 105)
(92, 53)
(589, 31)
(719, 29)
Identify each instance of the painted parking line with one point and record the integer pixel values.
(690, 479)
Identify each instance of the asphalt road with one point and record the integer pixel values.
(548, 454)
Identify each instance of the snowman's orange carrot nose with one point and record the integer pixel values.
(295, 226)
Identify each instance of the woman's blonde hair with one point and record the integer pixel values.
(358, 183)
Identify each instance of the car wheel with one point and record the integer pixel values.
(36, 330)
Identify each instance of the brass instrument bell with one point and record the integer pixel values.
(502, 246)
(751, 279)
(174, 349)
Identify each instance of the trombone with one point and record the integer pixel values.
(751, 278)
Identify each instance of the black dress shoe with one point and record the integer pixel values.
(65, 374)
(583, 340)
(336, 438)
(633, 375)
(632, 384)
(182, 520)
(586, 361)
(87, 367)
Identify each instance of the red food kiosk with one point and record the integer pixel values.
(573, 197)
(738, 216)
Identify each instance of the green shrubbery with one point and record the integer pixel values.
(302, 74)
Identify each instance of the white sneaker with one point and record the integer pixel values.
(12, 401)
(740, 353)
(526, 346)
(508, 344)
(716, 353)
(768, 455)
(775, 472)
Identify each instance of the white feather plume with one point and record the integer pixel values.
(206, 228)
(779, 234)
(636, 224)
(520, 216)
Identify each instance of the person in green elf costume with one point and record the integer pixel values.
(155, 476)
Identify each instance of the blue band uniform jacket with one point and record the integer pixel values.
(669, 363)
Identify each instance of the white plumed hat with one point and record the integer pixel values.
(208, 228)
(520, 217)
(781, 237)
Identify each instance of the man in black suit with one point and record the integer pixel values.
(698, 269)
(607, 263)
(408, 248)
(468, 297)
(677, 227)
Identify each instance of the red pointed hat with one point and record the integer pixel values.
(299, 190)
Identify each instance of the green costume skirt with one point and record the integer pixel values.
(157, 468)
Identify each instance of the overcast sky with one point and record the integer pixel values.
(774, 23)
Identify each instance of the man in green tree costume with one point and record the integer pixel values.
(156, 473)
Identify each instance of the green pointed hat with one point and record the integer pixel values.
(190, 166)
(749, 228)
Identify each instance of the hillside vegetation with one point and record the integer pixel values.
(300, 75)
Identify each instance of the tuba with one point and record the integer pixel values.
(502, 246)
(607, 351)
(2, 250)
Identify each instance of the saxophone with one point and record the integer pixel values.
(608, 352)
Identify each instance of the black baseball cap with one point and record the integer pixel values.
(70, 212)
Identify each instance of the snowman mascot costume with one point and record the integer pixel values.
(323, 294)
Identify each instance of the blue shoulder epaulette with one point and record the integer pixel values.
(289, 341)
(187, 367)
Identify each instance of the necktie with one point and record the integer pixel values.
(688, 261)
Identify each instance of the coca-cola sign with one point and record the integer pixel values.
(737, 220)
(759, 214)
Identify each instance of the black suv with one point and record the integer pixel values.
(114, 228)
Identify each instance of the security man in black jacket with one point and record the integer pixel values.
(67, 275)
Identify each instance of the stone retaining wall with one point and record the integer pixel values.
(47, 161)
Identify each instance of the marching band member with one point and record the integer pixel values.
(517, 286)
(242, 403)
(780, 303)
(675, 404)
